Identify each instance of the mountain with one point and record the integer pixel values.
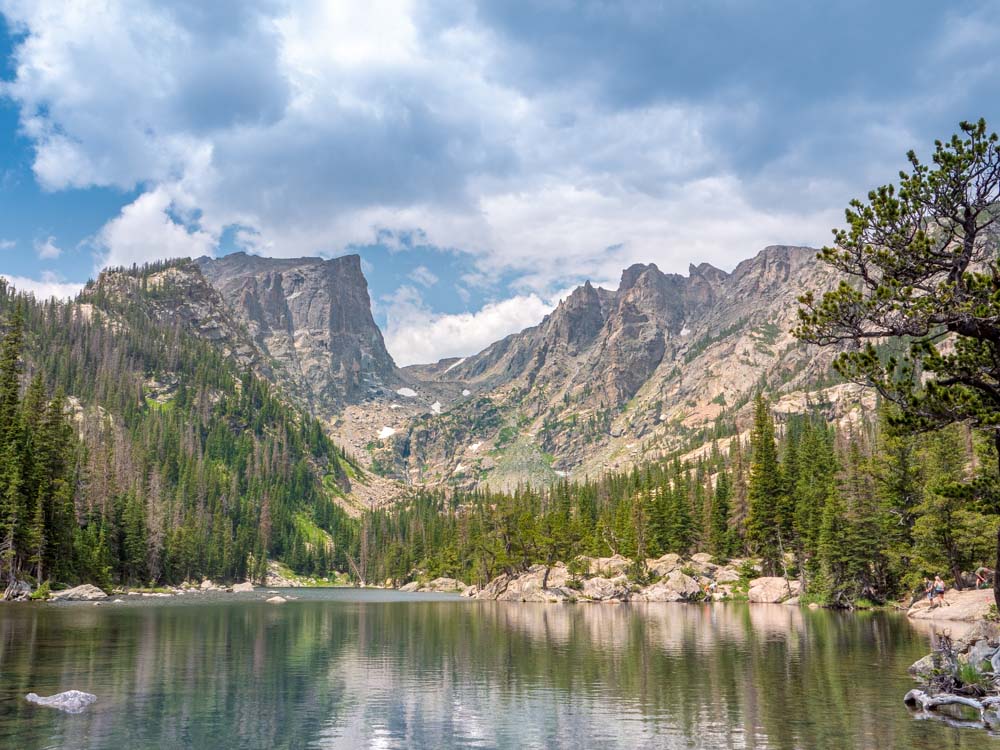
(614, 378)
(663, 364)
(311, 319)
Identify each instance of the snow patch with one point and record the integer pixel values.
(386, 432)
(395, 406)
(454, 366)
(436, 407)
(459, 469)
(407, 392)
(474, 447)
(466, 392)
(685, 331)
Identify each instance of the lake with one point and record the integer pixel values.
(341, 668)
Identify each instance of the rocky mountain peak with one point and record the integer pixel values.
(312, 316)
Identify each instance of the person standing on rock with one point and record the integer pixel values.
(939, 589)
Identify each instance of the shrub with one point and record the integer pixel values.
(41, 593)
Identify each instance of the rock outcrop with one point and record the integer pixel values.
(311, 317)
(772, 590)
(969, 605)
(17, 591)
(84, 593)
(679, 351)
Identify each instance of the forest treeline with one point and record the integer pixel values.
(133, 452)
(863, 511)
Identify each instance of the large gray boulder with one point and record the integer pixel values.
(243, 588)
(610, 566)
(676, 587)
(71, 701)
(772, 590)
(602, 589)
(17, 591)
(410, 587)
(444, 586)
(726, 575)
(664, 565)
(528, 586)
(84, 593)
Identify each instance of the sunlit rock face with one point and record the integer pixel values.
(312, 317)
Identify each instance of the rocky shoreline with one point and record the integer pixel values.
(670, 578)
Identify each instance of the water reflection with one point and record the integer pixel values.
(354, 672)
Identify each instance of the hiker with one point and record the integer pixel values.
(983, 578)
(939, 589)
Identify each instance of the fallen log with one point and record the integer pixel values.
(930, 702)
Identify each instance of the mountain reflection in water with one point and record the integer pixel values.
(357, 669)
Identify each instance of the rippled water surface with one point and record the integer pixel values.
(356, 669)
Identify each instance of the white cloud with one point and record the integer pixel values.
(414, 334)
(47, 249)
(424, 275)
(145, 231)
(313, 126)
(7, 244)
(50, 285)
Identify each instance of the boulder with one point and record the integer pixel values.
(17, 591)
(470, 591)
(277, 600)
(981, 631)
(443, 585)
(701, 558)
(726, 575)
(243, 588)
(963, 606)
(527, 586)
(410, 587)
(979, 652)
(923, 668)
(664, 565)
(610, 566)
(676, 587)
(772, 590)
(71, 701)
(84, 593)
(606, 589)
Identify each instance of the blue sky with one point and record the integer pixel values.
(483, 158)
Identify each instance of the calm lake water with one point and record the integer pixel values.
(372, 669)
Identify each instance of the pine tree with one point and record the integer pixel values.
(720, 538)
(765, 493)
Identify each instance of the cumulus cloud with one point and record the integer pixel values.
(7, 244)
(549, 144)
(47, 249)
(415, 334)
(146, 230)
(49, 285)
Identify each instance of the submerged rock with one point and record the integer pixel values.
(71, 701)
(277, 600)
(84, 593)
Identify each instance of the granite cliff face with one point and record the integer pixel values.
(611, 379)
(608, 380)
(312, 319)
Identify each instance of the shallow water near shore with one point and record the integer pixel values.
(342, 668)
